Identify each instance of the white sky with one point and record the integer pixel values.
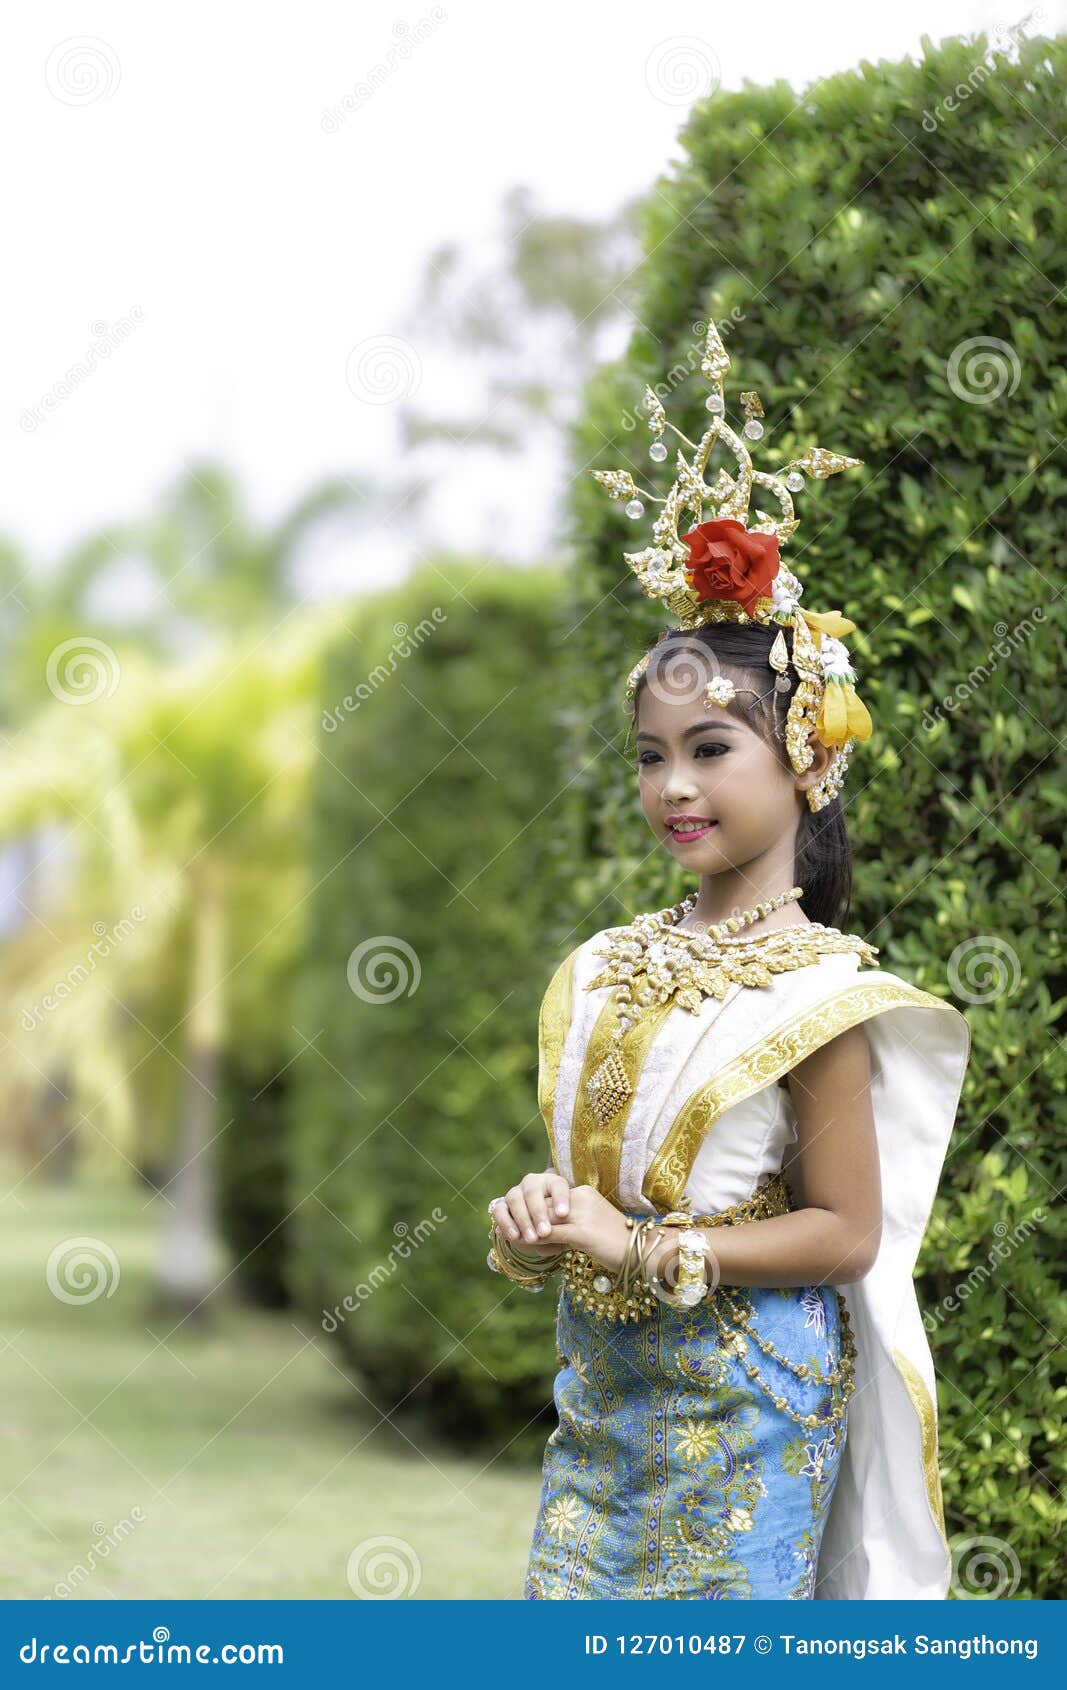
(200, 188)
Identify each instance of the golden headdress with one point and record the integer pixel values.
(728, 570)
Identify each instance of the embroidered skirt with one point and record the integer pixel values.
(671, 1473)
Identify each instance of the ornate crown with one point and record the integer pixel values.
(728, 570)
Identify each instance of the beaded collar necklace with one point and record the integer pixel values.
(653, 961)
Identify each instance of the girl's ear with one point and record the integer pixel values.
(820, 762)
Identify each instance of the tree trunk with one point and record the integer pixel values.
(188, 1263)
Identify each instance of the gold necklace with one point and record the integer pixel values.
(653, 961)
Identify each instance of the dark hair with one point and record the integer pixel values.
(822, 862)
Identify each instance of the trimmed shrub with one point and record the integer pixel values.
(439, 835)
(253, 1171)
(878, 255)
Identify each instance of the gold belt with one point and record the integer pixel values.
(591, 1288)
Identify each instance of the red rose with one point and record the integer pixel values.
(727, 562)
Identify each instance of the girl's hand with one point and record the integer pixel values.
(526, 1213)
(593, 1226)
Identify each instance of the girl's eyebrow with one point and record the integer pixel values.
(699, 728)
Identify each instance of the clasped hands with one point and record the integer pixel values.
(543, 1215)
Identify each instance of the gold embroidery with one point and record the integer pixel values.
(761, 1065)
(595, 1147)
(552, 1025)
(923, 1405)
(562, 1517)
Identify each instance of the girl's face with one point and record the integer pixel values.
(696, 760)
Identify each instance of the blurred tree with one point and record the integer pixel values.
(185, 578)
(523, 330)
(193, 571)
(176, 923)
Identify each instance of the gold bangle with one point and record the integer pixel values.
(519, 1259)
(529, 1272)
(592, 1287)
(646, 1246)
(527, 1258)
(529, 1282)
(623, 1277)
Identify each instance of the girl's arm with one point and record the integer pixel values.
(834, 1238)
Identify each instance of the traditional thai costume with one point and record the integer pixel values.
(759, 1442)
(672, 1473)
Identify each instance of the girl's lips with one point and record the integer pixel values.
(697, 833)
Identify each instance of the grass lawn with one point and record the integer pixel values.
(236, 1461)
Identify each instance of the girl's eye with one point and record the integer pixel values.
(707, 745)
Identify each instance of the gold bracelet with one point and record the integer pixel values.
(528, 1271)
(518, 1276)
(592, 1287)
(622, 1278)
(646, 1244)
(527, 1258)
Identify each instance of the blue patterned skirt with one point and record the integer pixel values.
(671, 1473)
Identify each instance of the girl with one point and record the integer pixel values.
(746, 1131)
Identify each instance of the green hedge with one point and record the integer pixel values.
(253, 1161)
(439, 825)
(859, 251)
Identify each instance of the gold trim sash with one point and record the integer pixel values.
(552, 1024)
(924, 1407)
(762, 1065)
(596, 1148)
